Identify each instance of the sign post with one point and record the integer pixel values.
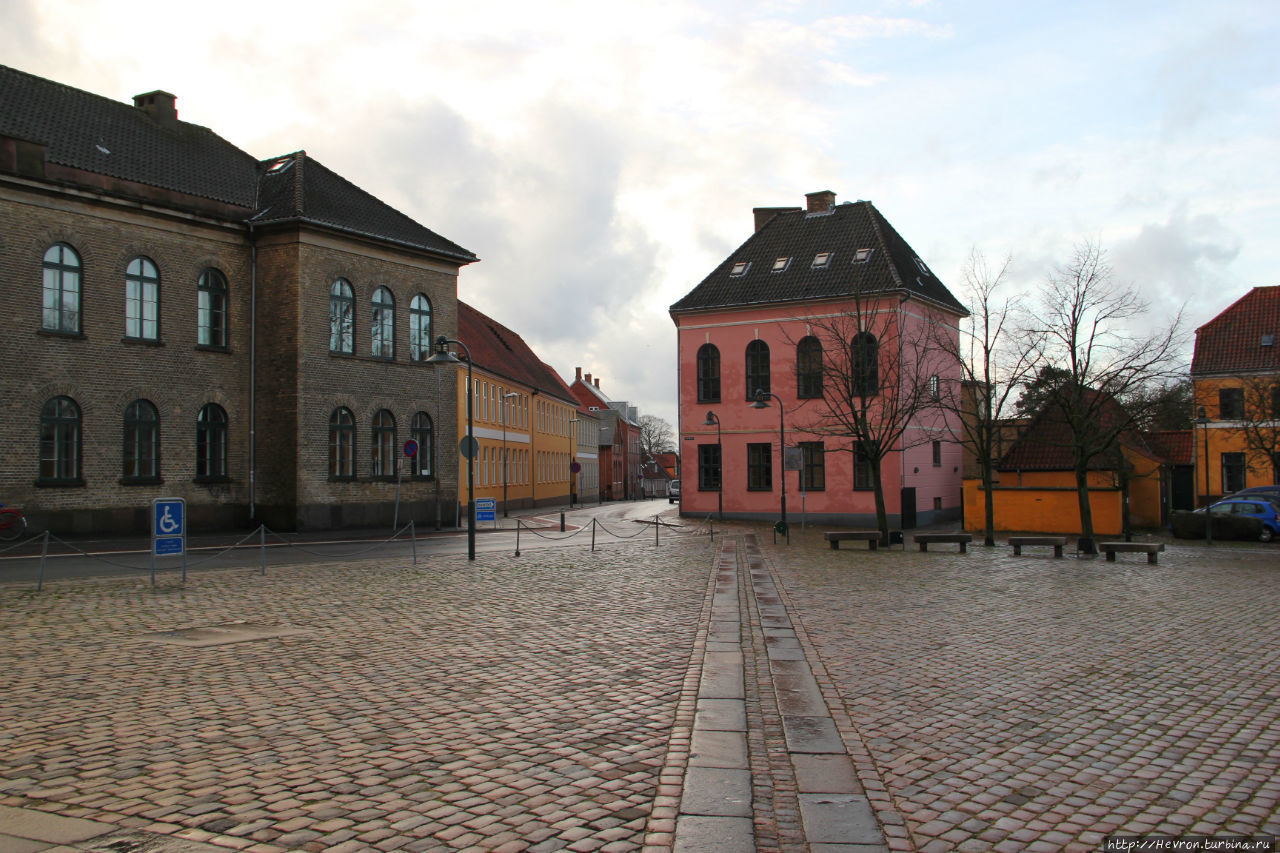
(168, 532)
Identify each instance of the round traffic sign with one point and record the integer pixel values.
(575, 467)
(469, 447)
(411, 448)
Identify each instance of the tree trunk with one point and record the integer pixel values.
(1087, 543)
(882, 516)
(989, 502)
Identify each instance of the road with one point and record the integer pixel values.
(535, 529)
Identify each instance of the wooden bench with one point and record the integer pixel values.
(925, 539)
(1057, 543)
(1148, 548)
(835, 537)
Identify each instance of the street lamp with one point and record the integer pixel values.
(1203, 420)
(712, 420)
(573, 443)
(761, 397)
(505, 464)
(443, 356)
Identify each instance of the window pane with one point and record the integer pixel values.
(60, 301)
(212, 309)
(342, 311)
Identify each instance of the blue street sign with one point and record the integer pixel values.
(169, 519)
(486, 509)
(169, 546)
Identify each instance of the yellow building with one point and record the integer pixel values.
(1235, 373)
(523, 418)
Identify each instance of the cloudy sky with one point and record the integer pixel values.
(601, 158)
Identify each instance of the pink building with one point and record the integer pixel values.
(832, 314)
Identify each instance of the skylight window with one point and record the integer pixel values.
(821, 260)
(1268, 340)
(740, 268)
(922, 267)
(281, 164)
(781, 264)
(861, 256)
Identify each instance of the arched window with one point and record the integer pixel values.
(382, 324)
(384, 444)
(809, 368)
(342, 317)
(342, 444)
(757, 368)
(142, 300)
(60, 441)
(420, 431)
(708, 374)
(212, 309)
(419, 328)
(141, 441)
(864, 365)
(61, 290)
(211, 442)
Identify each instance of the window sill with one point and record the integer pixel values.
(343, 479)
(142, 342)
(55, 333)
(212, 348)
(208, 480)
(76, 483)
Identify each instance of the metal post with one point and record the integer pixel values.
(519, 524)
(657, 523)
(593, 536)
(44, 555)
(262, 547)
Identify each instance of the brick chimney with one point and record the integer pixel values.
(587, 377)
(764, 214)
(821, 201)
(579, 372)
(161, 106)
(597, 382)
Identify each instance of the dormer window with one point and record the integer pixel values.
(740, 268)
(861, 256)
(781, 264)
(821, 260)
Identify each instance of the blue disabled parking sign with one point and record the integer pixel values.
(169, 529)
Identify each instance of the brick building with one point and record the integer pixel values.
(188, 321)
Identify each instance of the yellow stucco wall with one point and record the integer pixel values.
(1224, 437)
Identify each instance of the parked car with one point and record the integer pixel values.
(673, 492)
(1260, 509)
(1271, 493)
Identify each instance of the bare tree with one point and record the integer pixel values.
(1089, 326)
(656, 436)
(995, 360)
(1260, 424)
(878, 375)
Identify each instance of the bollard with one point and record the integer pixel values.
(413, 536)
(657, 522)
(262, 547)
(518, 524)
(593, 536)
(44, 555)
(562, 522)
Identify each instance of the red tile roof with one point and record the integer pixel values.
(1175, 446)
(1046, 444)
(501, 351)
(1232, 342)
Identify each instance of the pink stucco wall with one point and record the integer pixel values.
(781, 327)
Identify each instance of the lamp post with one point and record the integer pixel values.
(761, 397)
(712, 420)
(443, 356)
(505, 464)
(573, 443)
(1203, 420)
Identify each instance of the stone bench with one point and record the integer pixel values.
(1148, 548)
(925, 539)
(835, 537)
(1056, 542)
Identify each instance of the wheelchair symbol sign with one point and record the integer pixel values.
(169, 516)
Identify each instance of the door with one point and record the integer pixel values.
(908, 508)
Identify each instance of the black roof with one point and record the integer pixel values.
(105, 137)
(843, 230)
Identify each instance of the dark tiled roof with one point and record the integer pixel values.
(297, 188)
(106, 137)
(1232, 342)
(499, 350)
(1174, 446)
(842, 230)
(1045, 445)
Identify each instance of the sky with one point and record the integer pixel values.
(602, 158)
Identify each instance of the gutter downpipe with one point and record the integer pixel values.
(253, 366)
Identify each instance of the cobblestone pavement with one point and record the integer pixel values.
(506, 704)
(994, 702)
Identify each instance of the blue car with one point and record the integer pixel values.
(1260, 508)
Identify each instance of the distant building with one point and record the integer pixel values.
(188, 321)
(1235, 373)
(619, 439)
(756, 323)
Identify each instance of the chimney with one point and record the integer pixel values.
(597, 381)
(587, 377)
(579, 370)
(821, 201)
(764, 214)
(161, 106)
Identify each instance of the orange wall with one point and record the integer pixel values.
(1224, 437)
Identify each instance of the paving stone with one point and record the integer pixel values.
(702, 834)
(718, 749)
(839, 819)
(726, 715)
(811, 734)
(825, 774)
(716, 791)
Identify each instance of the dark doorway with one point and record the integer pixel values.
(908, 508)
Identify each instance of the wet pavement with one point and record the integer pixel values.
(704, 694)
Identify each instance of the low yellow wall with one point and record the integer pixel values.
(1042, 509)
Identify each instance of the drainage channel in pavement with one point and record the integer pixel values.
(717, 811)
